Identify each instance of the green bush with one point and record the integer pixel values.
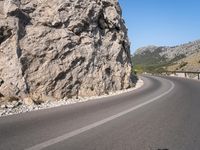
(138, 69)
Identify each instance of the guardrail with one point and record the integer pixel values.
(184, 72)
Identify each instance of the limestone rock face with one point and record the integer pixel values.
(63, 48)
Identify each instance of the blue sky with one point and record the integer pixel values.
(161, 22)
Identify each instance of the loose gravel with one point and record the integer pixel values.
(17, 107)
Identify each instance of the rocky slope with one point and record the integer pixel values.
(62, 48)
(190, 63)
(154, 58)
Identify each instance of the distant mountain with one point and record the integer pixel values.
(159, 58)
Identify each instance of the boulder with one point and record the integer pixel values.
(28, 101)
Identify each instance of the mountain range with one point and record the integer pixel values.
(160, 58)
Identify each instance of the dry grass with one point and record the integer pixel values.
(193, 63)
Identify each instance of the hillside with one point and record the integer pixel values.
(190, 63)
(155, 59)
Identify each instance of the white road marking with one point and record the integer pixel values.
(96, 124)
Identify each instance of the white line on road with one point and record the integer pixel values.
(96, 124)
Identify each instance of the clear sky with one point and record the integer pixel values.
(161, 22)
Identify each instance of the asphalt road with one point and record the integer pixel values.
(164, 114)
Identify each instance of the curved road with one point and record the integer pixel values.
(164, 114)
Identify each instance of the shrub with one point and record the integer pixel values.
(183, 64)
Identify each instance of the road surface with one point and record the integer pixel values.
(163, 114)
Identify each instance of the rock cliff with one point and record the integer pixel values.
(62, 48)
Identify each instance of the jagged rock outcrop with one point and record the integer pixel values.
(62, 48)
